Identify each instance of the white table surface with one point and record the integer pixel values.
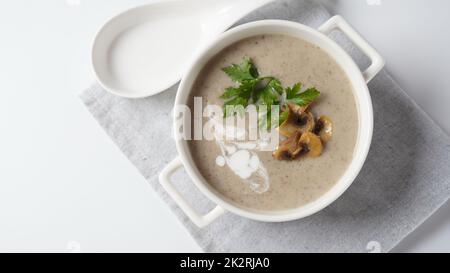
(64, 186)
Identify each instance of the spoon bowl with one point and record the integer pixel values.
(145, 50)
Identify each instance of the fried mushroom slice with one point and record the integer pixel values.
(324, 128)
(289, 149)
(310, 144)
(297, 108)
(297, 122)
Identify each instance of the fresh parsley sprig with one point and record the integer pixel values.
(294, 94)
(246, 71)
(262, 91)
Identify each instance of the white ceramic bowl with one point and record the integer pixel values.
(359, 82)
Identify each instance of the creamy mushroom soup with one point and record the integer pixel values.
(256, 179)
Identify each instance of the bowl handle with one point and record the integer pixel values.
(199, 220)
(337, 22)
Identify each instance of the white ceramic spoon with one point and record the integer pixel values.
(145, 50)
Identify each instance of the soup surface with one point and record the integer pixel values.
(291, 184)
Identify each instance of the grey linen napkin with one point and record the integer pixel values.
(405, 178)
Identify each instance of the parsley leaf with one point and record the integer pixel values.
(235, 106)
(270, 92)
(236, 96)
(244, 90)
(292, 91)
(243, 72)
(283, 117)
(301, 98)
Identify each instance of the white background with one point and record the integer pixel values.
(65, 186)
